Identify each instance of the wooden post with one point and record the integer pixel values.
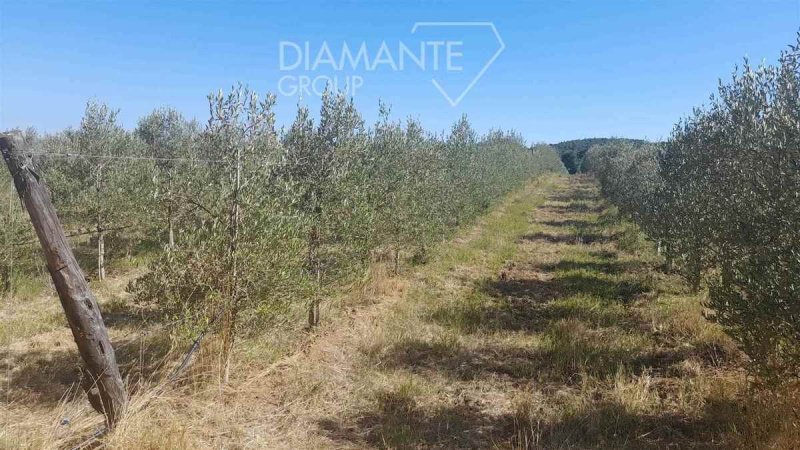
(171, 226)
(101, 253)
(101, 234)
(105, 389)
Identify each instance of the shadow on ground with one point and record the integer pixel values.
(43, 376)
(575, 238)
(609, 424)
(574, 282)
(606, 267)
(573, 208)
(398, 422)
(538, 325)
(580, 224)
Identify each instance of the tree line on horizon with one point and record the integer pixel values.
(573, 152)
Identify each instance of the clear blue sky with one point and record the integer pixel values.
(568, 70)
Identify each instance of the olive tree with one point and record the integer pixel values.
(170, 141)
(725, 199)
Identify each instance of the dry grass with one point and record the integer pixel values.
(549, 324)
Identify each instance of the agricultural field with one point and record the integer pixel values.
(338, 277)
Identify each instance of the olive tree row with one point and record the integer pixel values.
(242, 222)
(723, 194)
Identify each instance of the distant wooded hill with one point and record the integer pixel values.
(573, 152)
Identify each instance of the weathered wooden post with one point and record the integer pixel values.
(105, 388)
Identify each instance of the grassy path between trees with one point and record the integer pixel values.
(549, 324)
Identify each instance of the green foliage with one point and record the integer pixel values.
(98, 181)
(250, 219)
(169, 139)
(573, 152)
(628, 176)
(236, 237)
(722, 196)
(17, 238)
(20, 266)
